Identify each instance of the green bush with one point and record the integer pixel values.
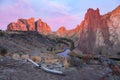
(3, 51)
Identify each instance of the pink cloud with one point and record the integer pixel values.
(68, 21)
(12, 12)
(53, 13)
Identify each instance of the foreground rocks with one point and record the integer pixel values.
(21, 70)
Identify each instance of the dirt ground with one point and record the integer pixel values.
(21, 70)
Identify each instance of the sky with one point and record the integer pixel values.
(55, 13)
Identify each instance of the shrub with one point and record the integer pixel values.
(118, 53)
(20, 53)
(76, 62)
(1, 33)
(3, 51)
(100, 53)
(86, 58)
(12, 35)
(50, 49)
(73, 54)
(67, 42)
(115, 69)
(36, 58)
(47, 49)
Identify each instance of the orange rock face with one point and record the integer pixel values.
(99, 33)
(88, 34)
(61, 31)
(42, 27)
(29, 25)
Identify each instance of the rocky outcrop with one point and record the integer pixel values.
(42, 27)
(61, 31)
(30, 25)
(100, 33)
(22, 25)
(88, 34)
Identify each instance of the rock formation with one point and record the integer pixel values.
(30, 25)
(96, 33)
(100, 33)
(61, 31)
(69, 33)
(22, 25)
(42, 27)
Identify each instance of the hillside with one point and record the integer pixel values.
(25, 41)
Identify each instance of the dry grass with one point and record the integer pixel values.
(16, 56)
(51, 61)
(25, 56)
(36, 58)
(66, 63)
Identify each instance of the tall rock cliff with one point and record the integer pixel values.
(100, 33)
(30, 25)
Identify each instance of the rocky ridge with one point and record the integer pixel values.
(100, 33)
(30, 25)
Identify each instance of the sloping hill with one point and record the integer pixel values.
(25, 41)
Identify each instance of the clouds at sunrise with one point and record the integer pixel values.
(56, 13)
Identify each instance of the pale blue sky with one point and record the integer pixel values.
(56, 13)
